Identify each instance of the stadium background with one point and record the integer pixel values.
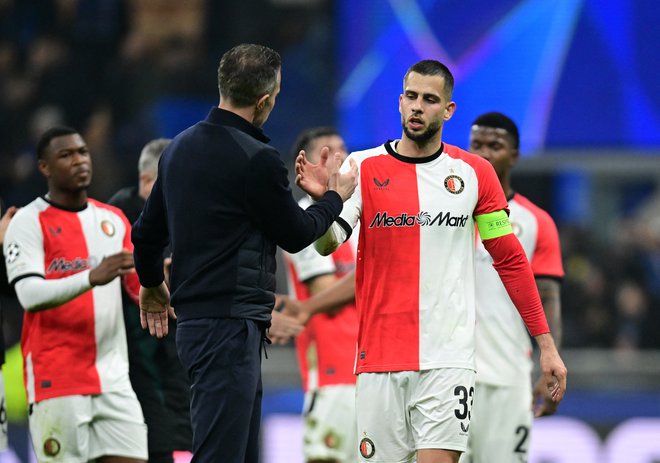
(579, 77)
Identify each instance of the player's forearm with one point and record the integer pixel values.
(36, 293)
(513, 268)
(545, 342)
(333, 297)
(549, 290)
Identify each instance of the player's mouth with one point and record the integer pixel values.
(415, 123)
(82, 173)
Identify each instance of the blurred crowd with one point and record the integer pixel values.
(105, 66)
(611, 293)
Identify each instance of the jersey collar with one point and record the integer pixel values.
(390, 147)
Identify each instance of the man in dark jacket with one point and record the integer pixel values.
(223, 202)
(158, 379)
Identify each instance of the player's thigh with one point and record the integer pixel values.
(330, 431)
(59, 428)
(441, 408)
(383, 421)
(118, 427)
(501, 424)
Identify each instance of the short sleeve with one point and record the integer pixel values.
(23, 246)
(546, 261)
(491, 196)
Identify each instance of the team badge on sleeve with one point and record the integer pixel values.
(454, 184)
(13, 251)
(108, 228)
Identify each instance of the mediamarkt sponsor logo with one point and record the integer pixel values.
(382, 219)
(60, 264)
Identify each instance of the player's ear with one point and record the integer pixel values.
(43, 167)
(450, 109)
(261, 102)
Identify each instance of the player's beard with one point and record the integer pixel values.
(422, 138)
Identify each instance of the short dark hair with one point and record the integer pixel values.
(306, 137)
(497, 120)
(247, 72)
(48, 135)
(431, 67)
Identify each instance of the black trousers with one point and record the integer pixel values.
(223, 360)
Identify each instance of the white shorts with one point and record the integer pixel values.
(402, 412)
(3, 415)
(81, 428)
(330, 431)
(501, 423)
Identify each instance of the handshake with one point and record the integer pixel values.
(289, 319)
(316, 179)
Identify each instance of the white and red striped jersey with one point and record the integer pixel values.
(415, 280)
(503, 345)
(79, 347)
(326, 347)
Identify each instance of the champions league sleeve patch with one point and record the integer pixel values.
(13, 251)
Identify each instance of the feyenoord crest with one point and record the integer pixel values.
(367, 448)
(108, 228)
(51, 447)
(454, 184)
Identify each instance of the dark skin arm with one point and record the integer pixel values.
(550, 292)
(329, 294)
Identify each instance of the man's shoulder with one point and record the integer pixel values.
(114, 210)
(539, 213)
(474, 160)
(30, 211)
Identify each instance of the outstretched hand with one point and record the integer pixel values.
(316, 179)
(345, 183)
(112, 267)
(155, 308)
(313, 178)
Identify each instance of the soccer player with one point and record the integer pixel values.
(223, 201)
(326, 348)
(66, 255)
(502, 413)
(418, 201)
(158, 378)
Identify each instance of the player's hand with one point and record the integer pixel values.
(4, 221)
(112, 267)
(313, 178)
(552, 368)
(283, 328)
(295, 309)
(345, 183)
(155, 308)
(542, 403)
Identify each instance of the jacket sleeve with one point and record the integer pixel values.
(150, 237)
(271, 205)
